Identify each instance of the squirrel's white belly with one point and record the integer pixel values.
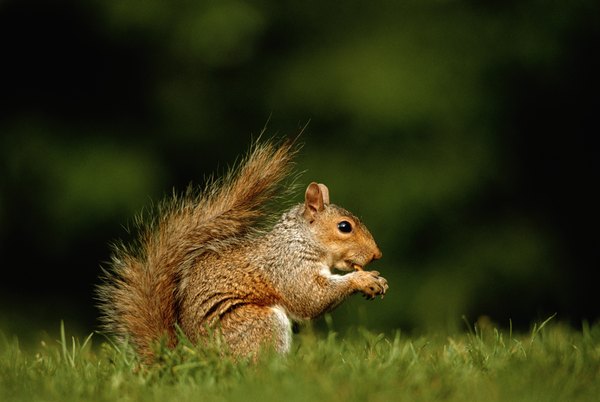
(283, 330)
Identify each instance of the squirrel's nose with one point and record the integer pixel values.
(378, 254)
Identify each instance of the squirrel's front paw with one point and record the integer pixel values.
(370, 284)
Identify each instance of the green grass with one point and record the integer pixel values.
(552, 362)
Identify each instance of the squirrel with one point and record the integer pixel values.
(205, 261)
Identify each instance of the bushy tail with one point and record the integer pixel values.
(138, 297)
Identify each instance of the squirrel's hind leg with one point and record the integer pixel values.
(250, 329)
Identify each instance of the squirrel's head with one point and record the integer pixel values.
(348, 243)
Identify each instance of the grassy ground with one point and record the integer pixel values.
(551, 363)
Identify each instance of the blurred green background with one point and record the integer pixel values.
(460, 131)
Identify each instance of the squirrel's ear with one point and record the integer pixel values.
(316, 197)
(324, 192)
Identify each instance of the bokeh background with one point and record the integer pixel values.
(460, 131)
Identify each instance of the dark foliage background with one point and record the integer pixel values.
(462, 132)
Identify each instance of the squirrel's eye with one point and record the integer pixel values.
(345, 227)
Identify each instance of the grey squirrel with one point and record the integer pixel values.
(205, 262)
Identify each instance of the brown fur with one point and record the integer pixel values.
(202, 263)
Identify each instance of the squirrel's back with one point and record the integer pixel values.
(138, 297)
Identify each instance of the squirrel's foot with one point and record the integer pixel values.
(370, 284)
